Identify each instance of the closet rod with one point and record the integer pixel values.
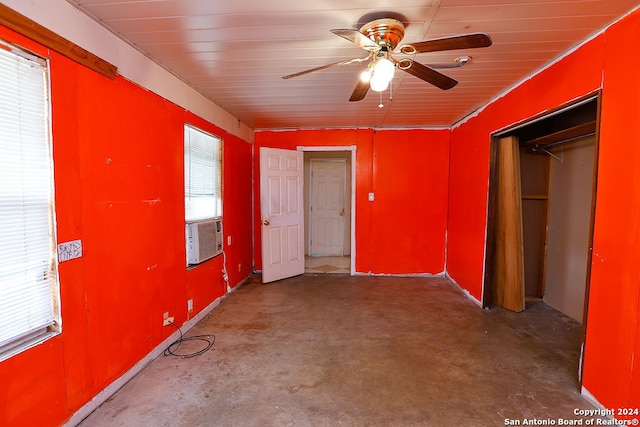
(563, 141)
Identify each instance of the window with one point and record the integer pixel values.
(28, 269)
(202, 175)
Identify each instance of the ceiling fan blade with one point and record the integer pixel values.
(360, 91)
(427, 74)
(324, 67)
(465, 41)
(355, 36)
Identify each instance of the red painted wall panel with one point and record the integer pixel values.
(411, 184)
(33, 387)
(364, 212)
(469, 175)
(118, 167)
(238, 188)
(613, 332)
(393, 165)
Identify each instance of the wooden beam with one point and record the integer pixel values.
(31, 29)
(508, 256)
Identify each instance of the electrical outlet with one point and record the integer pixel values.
(239, 267)
(228, 240)
(190, 305)
(166, 319)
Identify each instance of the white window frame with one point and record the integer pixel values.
(29, 286)
(202, 186)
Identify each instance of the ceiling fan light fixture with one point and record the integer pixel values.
(365, 76)
(378, 83)
(385, 69)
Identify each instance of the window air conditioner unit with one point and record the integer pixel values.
(204, 240)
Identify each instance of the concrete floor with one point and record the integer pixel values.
(327, 350)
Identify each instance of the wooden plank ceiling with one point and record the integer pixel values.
(235, 52)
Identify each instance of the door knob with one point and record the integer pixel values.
(265, 222)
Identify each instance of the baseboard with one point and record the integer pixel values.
(426, 275)
(108, 391)
(603, 411)
(464, 291)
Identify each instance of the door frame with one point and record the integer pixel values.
(351, 151)
(487, 290)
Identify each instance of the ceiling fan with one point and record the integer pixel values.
(380, 38)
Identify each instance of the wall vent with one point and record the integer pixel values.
(204, 240)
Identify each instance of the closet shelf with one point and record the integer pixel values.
(535, 197)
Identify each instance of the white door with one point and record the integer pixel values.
(327, 210)
(281, 207)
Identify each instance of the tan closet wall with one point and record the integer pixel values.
(570, 194)
(534, 168)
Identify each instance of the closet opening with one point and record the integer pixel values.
(542, 194)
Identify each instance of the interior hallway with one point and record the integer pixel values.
(324, 349)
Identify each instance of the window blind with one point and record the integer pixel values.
(202, 175)
(28, 282)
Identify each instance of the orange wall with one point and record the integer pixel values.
(612, 351)
(404, 230)
(118, 166)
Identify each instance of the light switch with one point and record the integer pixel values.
(371, 197)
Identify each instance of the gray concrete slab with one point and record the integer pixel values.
(327, 350)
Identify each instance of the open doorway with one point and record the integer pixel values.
(541, 212)
(328, 207)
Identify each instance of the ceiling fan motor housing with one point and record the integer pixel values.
(387, 33)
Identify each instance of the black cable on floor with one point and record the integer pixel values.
(208, 339)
